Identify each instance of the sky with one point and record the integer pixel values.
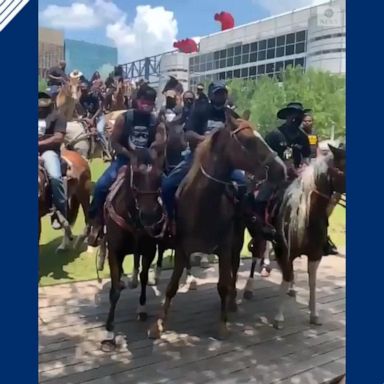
(140, 28)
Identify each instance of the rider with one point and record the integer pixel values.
(171, 109)
(56, 77)
(52, 129)
(201, 96)
(92, 103)
(203, 120)
(135, 129)
(188, 104)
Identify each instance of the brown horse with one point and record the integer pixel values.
(211, 223)
(134, 219)
(78, 177)
(301, 222)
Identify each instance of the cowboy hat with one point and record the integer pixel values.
(75, 74)
(216, 86)
(292, 108)
(44, 99)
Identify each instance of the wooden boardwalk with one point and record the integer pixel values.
(72, 317)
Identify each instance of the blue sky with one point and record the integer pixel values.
(150, 30)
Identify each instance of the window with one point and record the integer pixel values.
(203, 58)
(202, 67)
(271, 43)
(270, 68)
(288, 63)
(229, 61)
(300, 47)
(216, 55)
(244, 72)
(236, 73)
(262, 44)
(261, 69)
(238, 50)
(222, 63)
(280, 51)
(261, 55)
(192, 61)
(271, 53)
(223, 54)
(254, 47)
(253, 57)
(230, 52)
(252, 71)
(279, 66)
(197, 60)
(237, 60)
(216, 64)
(300, 62)
(289, 50)
(229, 74)
(291, 38)
(280, 41)
(209, 66)
(245, 58)
(245, 48)
(300, 36)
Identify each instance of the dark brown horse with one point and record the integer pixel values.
(301, 222)
(134, 219)
(211, 223)
(78, 178)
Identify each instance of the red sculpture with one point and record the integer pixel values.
(186, 45)
(226, 19)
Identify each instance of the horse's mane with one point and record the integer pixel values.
(297, 197)
(200, 154)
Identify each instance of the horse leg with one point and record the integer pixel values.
(136, 268)
(147, 259)
(180, 262)
(83, 195)
(287, 272)
(265, 263)
(159, 263)
(312, 274)
(258, 249)
(109, 343)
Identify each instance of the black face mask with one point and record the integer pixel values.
(170, 103)
(218, 104)
(188, 102)
(43, 112)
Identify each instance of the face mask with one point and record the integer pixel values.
(144, 106)
(170, 103)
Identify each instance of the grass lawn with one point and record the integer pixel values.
(79, 265)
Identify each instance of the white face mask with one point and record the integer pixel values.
(169, 116)
(42, 127)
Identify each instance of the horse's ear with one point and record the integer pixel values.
(338, 153)
(230, 120)
(246, 115)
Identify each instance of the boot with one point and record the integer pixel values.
(267, 230)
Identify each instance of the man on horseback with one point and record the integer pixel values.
(52, 129)
(135, 129)
(56, 77)
(204, 119)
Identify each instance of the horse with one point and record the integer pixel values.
(78, 182)
(134, 219)
(212, 223)
(301, 221)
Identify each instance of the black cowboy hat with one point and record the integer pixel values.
(173, 85)
(292, 108)
(216, 86)
(44, 99)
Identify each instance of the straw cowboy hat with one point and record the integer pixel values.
(75, 74)
(292, 108)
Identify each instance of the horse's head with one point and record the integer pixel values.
(337, 171)
(248, 151)
(145, 185)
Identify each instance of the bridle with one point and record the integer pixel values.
(264, 164)
(332, 172)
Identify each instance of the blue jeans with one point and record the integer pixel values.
(103, 185)
(100, 126)
(53, 167)
(171, 182)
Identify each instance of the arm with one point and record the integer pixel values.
(54, 142)
(116, 136)
(193, 128)
(160, 138)
(52, 76)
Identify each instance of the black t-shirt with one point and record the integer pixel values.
(53, 123)
(91, 103)
(57, 72)
(139, 129)
(290, 144)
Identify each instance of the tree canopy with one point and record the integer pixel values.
(322, 92)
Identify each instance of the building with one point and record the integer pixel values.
(89, 57)
(51, 49)
(310, 37)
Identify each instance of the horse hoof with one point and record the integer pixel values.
(142, 316)
(151, 282)
(223, 332)
(192, 285)
(315, 320)
(265, 272)
(291, 293)
(232, 306)
(248, 295)
(108, 345)
(277, 324)
(154, 332)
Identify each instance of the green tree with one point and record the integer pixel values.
(42, 85)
